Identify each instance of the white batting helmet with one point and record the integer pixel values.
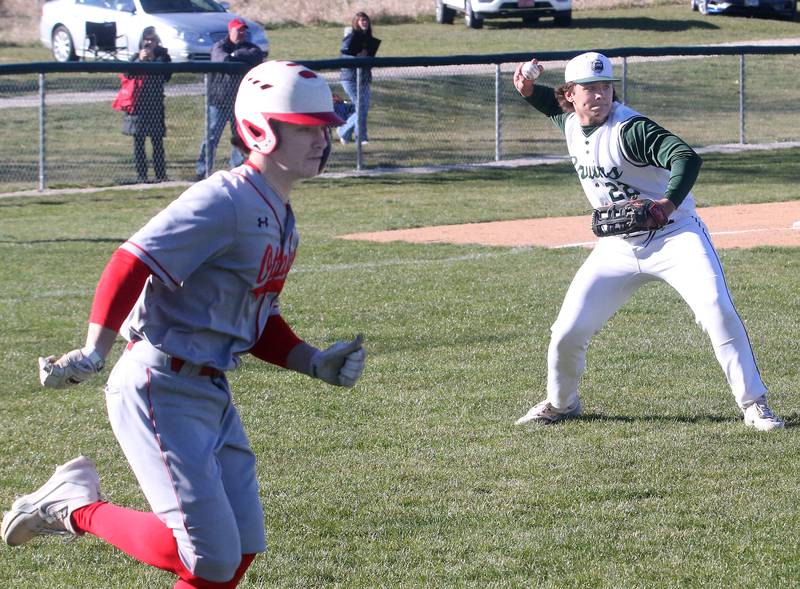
(280, 91)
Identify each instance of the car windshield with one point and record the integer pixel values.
(162, 6)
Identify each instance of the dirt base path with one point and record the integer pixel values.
(745, 226)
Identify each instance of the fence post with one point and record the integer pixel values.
(42, 160)
(359, 130)
(497, 113)
(624, 80)
(741, 99)
(207, 130)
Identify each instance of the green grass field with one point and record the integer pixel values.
(417, 477)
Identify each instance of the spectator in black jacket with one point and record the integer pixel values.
(222, 92)
(147, 117)
(358, 42)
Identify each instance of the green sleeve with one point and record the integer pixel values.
(544, 100)
(647, 143)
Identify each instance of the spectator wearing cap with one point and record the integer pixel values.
(234, 48)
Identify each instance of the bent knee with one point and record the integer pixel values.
(216, 569)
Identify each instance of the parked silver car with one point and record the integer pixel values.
(188, 28)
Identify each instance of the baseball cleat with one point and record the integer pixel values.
(545, 413)
(48, 509)
(760, 416)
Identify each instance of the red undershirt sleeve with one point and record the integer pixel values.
(275, 342)
(119, 287)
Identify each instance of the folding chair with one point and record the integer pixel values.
(101, 41)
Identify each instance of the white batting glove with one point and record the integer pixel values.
(72, 368)
(341, 364)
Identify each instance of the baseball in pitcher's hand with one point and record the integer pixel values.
(523, 84)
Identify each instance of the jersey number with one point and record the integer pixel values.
(621, 191)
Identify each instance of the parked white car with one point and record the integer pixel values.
(785, 8)
(188, 28)
(475, 11)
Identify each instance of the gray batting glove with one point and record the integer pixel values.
(341, 364)
(72, 368)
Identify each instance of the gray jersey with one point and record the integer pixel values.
(219, 255)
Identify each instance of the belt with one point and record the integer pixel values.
(179, 365)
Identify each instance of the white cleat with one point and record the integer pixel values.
(760, 416)
(545, 413)
(48, 509)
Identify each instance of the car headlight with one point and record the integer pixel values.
(192, 37)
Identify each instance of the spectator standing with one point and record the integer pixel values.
(146, 118)
(234, 48)
(358, 42)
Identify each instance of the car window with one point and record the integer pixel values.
(124, 5)
(96, 3)
(161, 6)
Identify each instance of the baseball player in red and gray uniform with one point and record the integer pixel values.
(192, 291)
(621, 155)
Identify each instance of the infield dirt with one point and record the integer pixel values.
(744, 226)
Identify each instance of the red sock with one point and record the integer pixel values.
(198, 583)
(146, 538)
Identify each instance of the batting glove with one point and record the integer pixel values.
(341, 364)
(72, 368)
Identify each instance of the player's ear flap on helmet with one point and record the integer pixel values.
(255, 132)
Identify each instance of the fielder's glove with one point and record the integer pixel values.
(341, 364)
(633, 216)
(72, 368)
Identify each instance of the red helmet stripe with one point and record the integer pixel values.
(309, 118)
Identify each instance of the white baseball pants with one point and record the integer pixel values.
(682, 256)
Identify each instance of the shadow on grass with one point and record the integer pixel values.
(625, 24)
(791, 420)
(656, 418)
(65, 240)
(91, 197)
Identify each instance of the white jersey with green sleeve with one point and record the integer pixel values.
(219, 255)
(607, 173)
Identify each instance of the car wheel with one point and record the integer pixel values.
(472, 21)
(563, 19)
(63, 47)
(444, 14)
(530, 21)
(702, 6)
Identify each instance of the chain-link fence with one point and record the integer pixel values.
(59, 128)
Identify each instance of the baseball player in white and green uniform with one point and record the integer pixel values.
(621, 155)
(192, 291)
